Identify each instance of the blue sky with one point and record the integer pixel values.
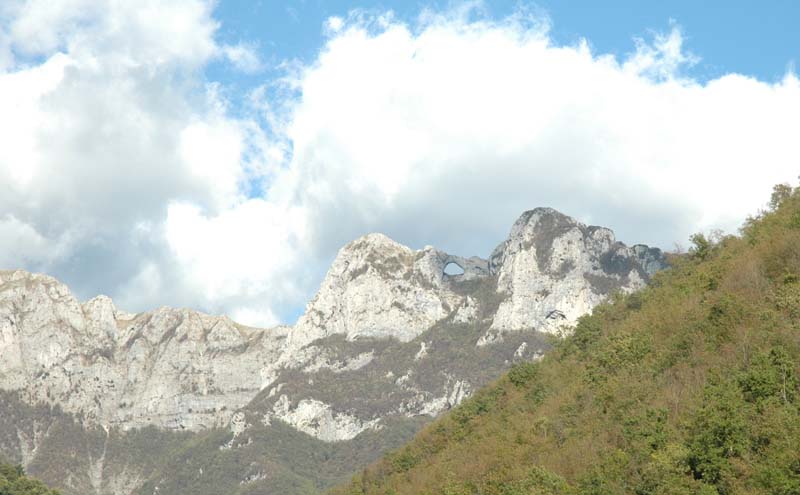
(217, 154)
(761, 39)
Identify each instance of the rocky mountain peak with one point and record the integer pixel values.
(376, 287)
(543, 230)
(553, 269)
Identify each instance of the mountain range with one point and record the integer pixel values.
(96, 400)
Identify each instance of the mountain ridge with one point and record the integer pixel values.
(389, 335)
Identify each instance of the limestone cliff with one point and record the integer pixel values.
(553, 269)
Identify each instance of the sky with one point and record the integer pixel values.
(217, 155)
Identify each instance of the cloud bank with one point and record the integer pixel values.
(124, 171)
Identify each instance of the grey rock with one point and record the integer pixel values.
(553, 269)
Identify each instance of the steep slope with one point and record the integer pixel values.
(689, 386)
(390, 341)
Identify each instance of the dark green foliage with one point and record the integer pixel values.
(701, 246)
(403, 460)
(586, 333)
(648, 431)
(780, 193)
(481, 403)
(522, 374)
(770, 376)
(719, 432)
(14, 482)
(620, 352)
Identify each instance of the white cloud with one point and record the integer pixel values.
(663, 59)
(334, 24)
(108, 130)
(244, 57)
(20, 242)
(20, 93)
(213, 149)
(245, 255)
(123, 172)
(443, 132)
(146, 32)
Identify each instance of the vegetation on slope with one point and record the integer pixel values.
(14, 482)
(687, 387)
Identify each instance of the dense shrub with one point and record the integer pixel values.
(14, 482)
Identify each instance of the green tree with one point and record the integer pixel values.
(770, 376)
(780, 193)
(718, 433)
(701, 246)
(14, 482)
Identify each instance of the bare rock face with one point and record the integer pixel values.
(392, 332)
(172, 368)
(553, 269)
(376, 288)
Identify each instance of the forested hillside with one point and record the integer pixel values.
(687, 387)
(14, 482)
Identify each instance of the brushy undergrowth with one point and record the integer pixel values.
(13, 481)
(690, 386)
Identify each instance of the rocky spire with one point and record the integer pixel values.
(552, 269)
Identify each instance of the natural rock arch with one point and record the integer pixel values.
(452, 268)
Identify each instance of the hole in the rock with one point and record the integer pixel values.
(453, 269)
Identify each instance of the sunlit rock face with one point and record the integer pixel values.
(377, 288)
(553, 269)
(389, 334)
(172, 368)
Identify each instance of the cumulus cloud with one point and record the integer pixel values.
(126, 173)
(106, 123)
(244, 57)
(444, 131)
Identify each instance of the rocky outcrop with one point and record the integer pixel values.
(318, 419)
(172, 368)
(553, 269)
(380, 289)
(388, 329)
